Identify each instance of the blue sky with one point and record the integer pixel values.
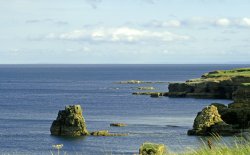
(124, 31)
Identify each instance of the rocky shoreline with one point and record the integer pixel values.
(218, 118)
(217, 84)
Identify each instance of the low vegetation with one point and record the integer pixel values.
(229, 73)
(211, 145)
(241, 147)
(246, 84)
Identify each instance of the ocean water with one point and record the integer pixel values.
(31, 95)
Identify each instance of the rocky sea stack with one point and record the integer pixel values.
(69, 122)
(209, 121)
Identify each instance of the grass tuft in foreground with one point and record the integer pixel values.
(216, 146)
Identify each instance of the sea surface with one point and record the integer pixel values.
(32, 95)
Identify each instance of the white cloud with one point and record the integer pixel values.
(244, 21)
(202, 21)
(222, 22)
(120, 34)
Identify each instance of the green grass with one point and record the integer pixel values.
(228, 73)
(220, 150)
(246, 84)
(217, 146)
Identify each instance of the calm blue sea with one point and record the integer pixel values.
(31, 95)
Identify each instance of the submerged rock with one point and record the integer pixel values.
(152, 149)
(69, 122)
(145, 88)
(100, 133)
(141, 82)
(130, 82)
(106, 133)
(118, 124)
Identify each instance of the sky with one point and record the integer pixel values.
(124, 31)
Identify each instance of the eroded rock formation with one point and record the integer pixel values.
(69, 122)
(209, 121)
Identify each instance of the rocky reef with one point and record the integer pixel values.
(140, 82)
(217, 84)
(106, 133)
(152, 94)
(152, 149)
(145, 88)
(69, 122)
(118, 124)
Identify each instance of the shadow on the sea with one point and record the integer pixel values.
(68, 138)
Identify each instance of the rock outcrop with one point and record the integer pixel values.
(216, 84)
(241, 96)
(238, 112)
(152, 149)
(235, 116)
(69, 122)
(209, 121)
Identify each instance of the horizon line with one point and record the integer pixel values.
(127, 64)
